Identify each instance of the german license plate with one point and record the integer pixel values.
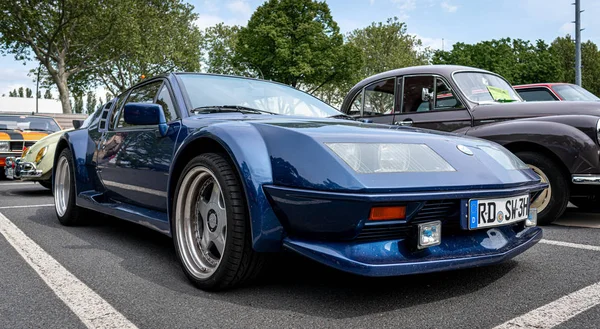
(495, 212)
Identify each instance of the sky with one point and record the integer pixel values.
(438, 23)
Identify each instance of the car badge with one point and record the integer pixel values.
(464, 149)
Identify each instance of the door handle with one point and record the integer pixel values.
(405, 122)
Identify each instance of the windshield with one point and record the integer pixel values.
(484, 87)
(210, 90)
(22, 123)
(574, 93)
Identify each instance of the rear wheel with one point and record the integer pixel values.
(67, 211)
(211, 228)
(552, 202)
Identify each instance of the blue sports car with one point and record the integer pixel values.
(236, 168)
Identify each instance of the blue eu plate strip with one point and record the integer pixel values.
(473, 206)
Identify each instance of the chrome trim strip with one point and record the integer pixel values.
(135, 188)
(586, 179)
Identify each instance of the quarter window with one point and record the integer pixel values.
(356, 106)
(445, 97)
(379, 98)
(164, 100)
(143, 94)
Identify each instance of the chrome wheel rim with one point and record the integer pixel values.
(201, 222)
(543, 199)
(62, 186)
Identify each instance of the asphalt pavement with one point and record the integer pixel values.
(132, 271)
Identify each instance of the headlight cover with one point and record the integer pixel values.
(503, 156)
(4, 146)
(369, 158)
(41, 153)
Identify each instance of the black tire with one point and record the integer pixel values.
(46, 184)
(239, 262)
(2, 176)
(73, 214)
(559, 197)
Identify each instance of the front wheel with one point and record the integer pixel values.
(553, 201)
(67, 211)
(210, 224)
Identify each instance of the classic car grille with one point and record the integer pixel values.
(18, 145)
(448, 211)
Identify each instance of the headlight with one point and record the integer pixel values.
(4, 146)
(367, 158)
(41, 153)
(508, 160)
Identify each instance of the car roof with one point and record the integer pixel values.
(541, 84)
(445, 70)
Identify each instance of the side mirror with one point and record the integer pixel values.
(145, 114)
(426, 95)
(77, 124)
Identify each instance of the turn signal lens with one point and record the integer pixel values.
(387, 213)
(41, 154)
(24, 151)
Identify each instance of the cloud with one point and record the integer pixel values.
(205, 21)
(404, 6)
(240, 8)
(435, 43)
(448, 7)
(371, 2)
(567, 28)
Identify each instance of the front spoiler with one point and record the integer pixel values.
(392, 258)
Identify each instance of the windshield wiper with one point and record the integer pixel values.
(228, 108)
(342, 116)
(505, 100)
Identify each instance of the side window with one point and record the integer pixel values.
(356, 104)
(413, 87)
(143, 94)
(164, 100)
(445, 97)
(379, 98)
(536, 95)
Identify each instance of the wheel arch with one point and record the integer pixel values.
(528, 146)
(246, 152)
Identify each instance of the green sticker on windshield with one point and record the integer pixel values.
(498, 93)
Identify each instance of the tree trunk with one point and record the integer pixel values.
(63, 94)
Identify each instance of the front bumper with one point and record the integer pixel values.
(391, 258)
(590, 179)
(16, 169)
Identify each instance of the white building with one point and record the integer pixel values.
(19, 104)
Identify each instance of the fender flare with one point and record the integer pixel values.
(248, 153)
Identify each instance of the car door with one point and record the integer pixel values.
(443, 109)
(134, 160)
(376, 102)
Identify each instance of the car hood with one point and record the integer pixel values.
(304, 153)
(18, 135)
(534, 109)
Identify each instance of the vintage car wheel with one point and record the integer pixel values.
(67, 211)
(552, 202)
(211, 228)
(46, 184)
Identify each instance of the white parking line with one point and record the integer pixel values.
(93, 311)
(29, 206)
(572, 245)
(558, 311)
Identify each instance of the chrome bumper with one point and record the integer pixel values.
(17, 169)
(586, 179)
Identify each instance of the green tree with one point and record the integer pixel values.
(79, 42)
(21, 92)
(39, 94)
(517, 60)
(28, 93)
(78, 108)
(161, 37)
(563, 48)
(90, 102)
(48, 94)
(218, 45)
(296, 42)
(11, 94)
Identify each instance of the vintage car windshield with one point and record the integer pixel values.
(205, 91)
(574, 93)
(483, 87)
(15, 122)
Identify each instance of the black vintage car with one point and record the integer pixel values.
(558, 140)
